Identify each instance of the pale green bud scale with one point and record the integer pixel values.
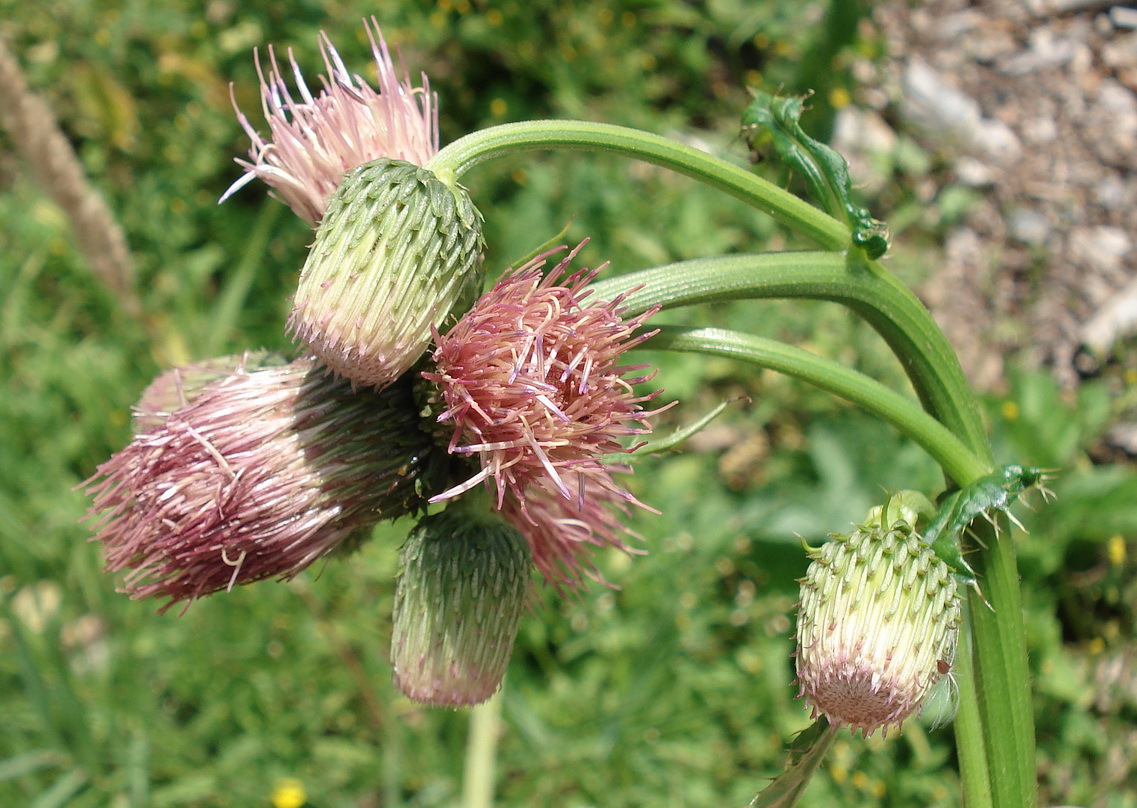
(877, 625)
(464, 581)
(397, 254)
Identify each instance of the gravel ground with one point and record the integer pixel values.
(1033, 106)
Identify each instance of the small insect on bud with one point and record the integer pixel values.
(877, 626)
(464, 581)
(397, 254)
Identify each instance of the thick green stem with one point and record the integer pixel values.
(971, 741)
(496, 141)
(481, 754)
(835, 378)
(866, 287)
(1002, 671)
(1005, 729)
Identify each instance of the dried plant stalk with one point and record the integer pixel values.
(56, 167)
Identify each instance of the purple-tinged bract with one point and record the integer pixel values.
(259, 474)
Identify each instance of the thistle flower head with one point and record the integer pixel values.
(397, 254)
(530, 382)
(877, 626)
(316, 139)
(464, 580)
(178, 387)
(259, 474)
(563, 533)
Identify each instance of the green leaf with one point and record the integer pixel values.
(62, 790)
(809, 749)
(29, 762)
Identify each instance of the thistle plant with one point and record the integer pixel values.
(502, 421)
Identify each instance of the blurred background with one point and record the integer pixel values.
(998, 141)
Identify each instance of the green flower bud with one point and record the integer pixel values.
(877, 625)
(397, 253)
(464, 581)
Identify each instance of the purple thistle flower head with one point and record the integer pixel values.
(532, 382)
(260, 473)
(317, 139)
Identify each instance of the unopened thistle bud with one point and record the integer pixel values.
(464, 581)
(398, 252)
(877, 626)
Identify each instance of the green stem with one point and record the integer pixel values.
(463, 154)
(866, 287)
(832, 377)
(971, 742)
(1002, 686)
(481, 754)
(1002, 670)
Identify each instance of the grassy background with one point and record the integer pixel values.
(675, 689)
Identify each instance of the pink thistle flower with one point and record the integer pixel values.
(258, 474)
(318, 139)
(531, 380)
(563, 532)
(177, 387)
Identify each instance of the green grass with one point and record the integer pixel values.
(674, 689)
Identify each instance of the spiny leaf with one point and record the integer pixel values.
(808, 751)
(824, 169)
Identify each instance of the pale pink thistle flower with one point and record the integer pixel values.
(316, 140)
(177, 387)
(531, 380)
(877, 626)
(563, 533)
(260, 473)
